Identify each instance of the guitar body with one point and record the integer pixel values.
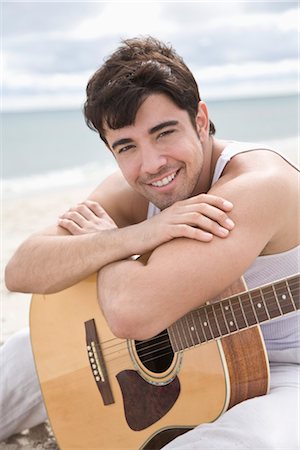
(104, 393)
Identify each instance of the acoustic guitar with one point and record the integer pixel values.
(103, 393)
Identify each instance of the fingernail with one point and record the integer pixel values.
(227, 204)
(223, 231)
(229, 223)
(208, 235)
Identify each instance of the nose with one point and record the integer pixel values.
(152, 160)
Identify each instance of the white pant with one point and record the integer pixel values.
(270, 422)
(21, 403)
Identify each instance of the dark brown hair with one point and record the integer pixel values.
(138, 68)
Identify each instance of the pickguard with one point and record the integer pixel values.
(145, 403)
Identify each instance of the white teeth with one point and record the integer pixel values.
(164, 181)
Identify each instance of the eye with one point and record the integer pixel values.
(165, 133)
(125, 149)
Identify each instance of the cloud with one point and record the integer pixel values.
(51, 49)
(39, 18)
(125, 19)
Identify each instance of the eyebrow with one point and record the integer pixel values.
(152, 130)
(162, 125)
(121, 142)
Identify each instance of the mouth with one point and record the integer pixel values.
(164, 181)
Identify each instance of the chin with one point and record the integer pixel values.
(164, 203)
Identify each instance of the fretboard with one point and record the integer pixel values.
(235, 313)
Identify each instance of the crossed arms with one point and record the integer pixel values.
(183, 274)
(140, 300)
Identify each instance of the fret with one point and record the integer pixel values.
(258, 305)
(242, 309)
(208, 323)
(272, 302)
(172, 338)
(204, 323)
(195, 328)
(199, 327)
(249, 309)
(238, 313)
(185, 340)
(217, 307)
(191, 330)
(277, 302)
(225, 318)
(229, 316)
(212, 321)
(216, 320)
(284, 297)
(178, 334)
(273, 307)
(264, 295)
(294, 286)
(232, 311)
(291, 295)
(235, 313)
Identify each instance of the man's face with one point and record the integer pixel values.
(160, 155)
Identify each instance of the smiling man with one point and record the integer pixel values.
(145, 105)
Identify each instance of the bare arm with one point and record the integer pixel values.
(141, 300)
(53, 260)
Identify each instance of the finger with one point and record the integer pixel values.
(210, 225)
(211, 212)
(75, 217)
(71, 226)
(96, 208)
(84, 210)
(201, 222)
(213, 200)
(190, 232)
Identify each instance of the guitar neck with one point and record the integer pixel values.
(235, 313)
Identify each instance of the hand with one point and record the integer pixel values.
(200, 217)
(86, 217)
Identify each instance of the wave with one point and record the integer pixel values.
(91, 173)
(94, 172)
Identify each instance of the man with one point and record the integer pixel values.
(145, 104)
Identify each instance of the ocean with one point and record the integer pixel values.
(45, 149)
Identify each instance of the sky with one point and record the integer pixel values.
(235, 49)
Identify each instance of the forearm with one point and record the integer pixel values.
(121, 297)
(47, 264)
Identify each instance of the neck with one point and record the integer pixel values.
(211, 152)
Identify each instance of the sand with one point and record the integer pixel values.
(24, 214)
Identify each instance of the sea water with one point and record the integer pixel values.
(44, 149)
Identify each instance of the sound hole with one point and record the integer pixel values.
(156, 353)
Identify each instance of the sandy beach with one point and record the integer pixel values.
(24, 214)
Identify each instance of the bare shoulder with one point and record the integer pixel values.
(119, 200)
(259, 184)
(265, 182)
(261, 160)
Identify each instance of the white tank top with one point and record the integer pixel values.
(282, 333)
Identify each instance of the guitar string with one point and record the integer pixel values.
(156, 338)
(158, 351)
(152, 358)
(247, 308)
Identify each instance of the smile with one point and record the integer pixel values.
(165, 181)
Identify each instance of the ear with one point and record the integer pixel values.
(202, 121)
